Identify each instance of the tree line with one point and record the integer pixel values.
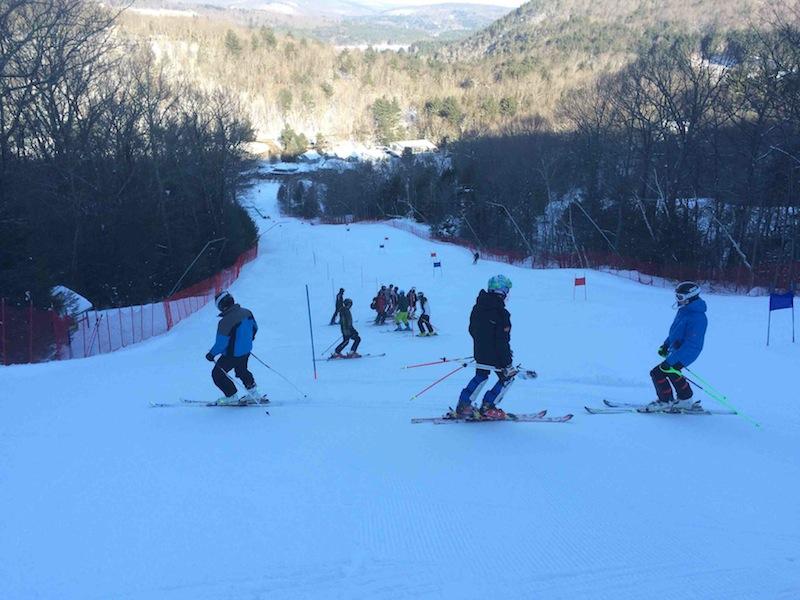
(688, 157)
(112, 176)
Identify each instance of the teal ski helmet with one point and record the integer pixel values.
(499, 284)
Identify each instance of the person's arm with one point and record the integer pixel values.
(221, 341)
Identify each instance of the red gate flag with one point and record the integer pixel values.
(580, 281)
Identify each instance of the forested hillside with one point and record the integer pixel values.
(683, 163)
(112, 175)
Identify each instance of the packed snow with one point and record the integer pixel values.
(338, 495)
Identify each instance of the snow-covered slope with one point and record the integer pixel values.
(339, 496)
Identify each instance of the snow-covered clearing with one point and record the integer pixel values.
(339, 496)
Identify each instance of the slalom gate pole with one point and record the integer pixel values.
(299, 391)
(438, 381)
(311, 329)
(438, 362)
(336, 341)
(713, 393)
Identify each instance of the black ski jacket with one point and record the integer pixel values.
(490, 328)
(346, 322)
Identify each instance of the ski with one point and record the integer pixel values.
(261, 401)
(345, 357)
(203, 403)
(619, 408)
(539, 417)
(690, 412)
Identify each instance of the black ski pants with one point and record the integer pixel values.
(664, 382)
(424, 321)
(335, 314)
(239, 365)
(356, 341)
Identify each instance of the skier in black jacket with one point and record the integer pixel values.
(339, 304)
(348, 333)
(490, 328)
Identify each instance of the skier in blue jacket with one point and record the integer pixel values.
(235, 334)
(681, 348)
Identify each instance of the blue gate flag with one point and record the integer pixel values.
(437, 264)
(780, 301)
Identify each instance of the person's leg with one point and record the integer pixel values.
(682, 388)
(344, 342)
(428, 324)
(356, 342)
(243, 373)
(661, 383)
(473, 388)
(333, 318)
(220, 376)
(496, 393)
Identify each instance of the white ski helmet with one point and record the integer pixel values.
(223, 300)
(685, 292)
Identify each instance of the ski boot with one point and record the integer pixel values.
(353, 354)
(408, 327)
(688, 405)
(462, 411)
(398, 328)
(489, 412)
(232, 400)
(256, 397)
(336, 355)
(423, 334)
(657, 406)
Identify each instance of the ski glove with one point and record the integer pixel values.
(210, 357)
(663, 351)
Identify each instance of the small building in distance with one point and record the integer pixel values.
(413, 146)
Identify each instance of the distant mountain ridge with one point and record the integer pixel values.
(604, 24)
(345, 21)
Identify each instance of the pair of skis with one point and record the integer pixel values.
(345, 357)
(629, 407)
(540, 417)
(185, 402)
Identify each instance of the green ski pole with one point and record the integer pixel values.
(713, 393)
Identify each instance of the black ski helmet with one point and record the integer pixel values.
(686, 292)
(341, 290)
(223, 300)
(348, 303)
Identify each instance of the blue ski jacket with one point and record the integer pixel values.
(235, 333)
(687, 334)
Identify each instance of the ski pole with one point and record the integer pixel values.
(438, 381)
(336, 341)
(437, 362)
(712, 393)
(280, 375)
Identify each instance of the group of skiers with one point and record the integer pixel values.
(490, 328)
(390, 301)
